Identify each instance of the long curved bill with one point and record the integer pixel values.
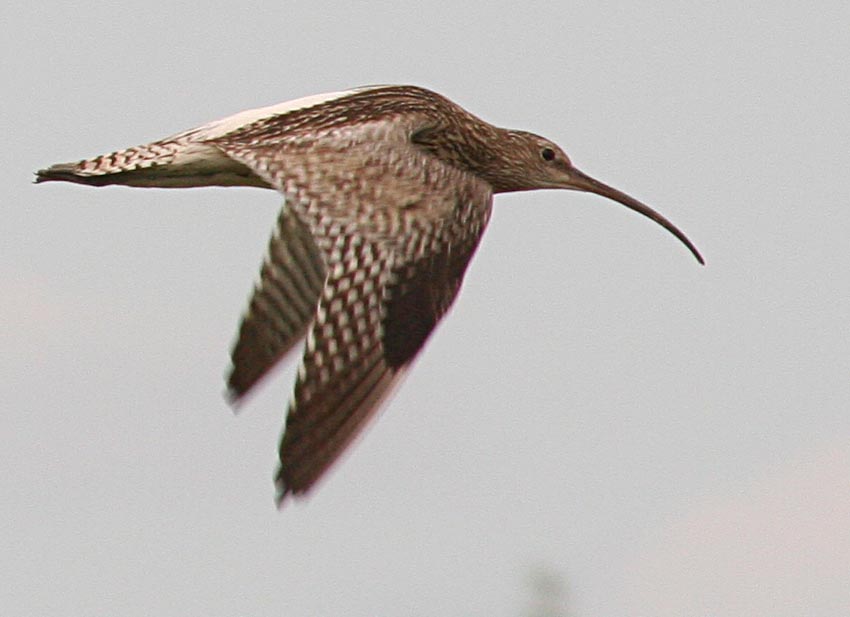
(580, 181)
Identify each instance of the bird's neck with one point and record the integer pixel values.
(472, 147)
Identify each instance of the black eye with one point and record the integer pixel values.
(548, 154)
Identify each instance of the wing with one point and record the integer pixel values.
(396, 228)
(282, 305)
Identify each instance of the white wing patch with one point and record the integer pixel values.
(226, 125)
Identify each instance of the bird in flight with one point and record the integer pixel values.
(387, 191)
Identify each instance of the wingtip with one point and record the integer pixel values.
(234, 399)
(237, 391)
(282, 490)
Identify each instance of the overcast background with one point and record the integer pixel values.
(599, 416)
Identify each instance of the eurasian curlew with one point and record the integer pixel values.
(387, 191)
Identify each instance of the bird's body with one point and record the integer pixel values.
(387, 191)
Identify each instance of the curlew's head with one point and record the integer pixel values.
(529, 162)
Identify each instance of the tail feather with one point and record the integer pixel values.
(107, 168)
(60, 172)
(180, 162)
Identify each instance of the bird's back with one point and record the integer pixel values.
(192, 159)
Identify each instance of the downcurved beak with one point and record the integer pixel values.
(580, 181)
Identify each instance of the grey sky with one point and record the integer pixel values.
(670, 439)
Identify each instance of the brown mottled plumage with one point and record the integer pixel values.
(387, 190)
